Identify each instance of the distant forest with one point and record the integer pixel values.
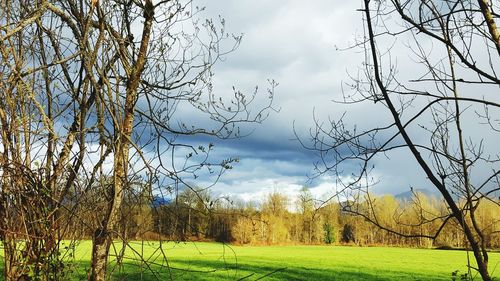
(199, 216)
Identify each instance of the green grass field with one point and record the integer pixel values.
(211, 261)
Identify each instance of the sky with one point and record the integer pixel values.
(302, 46)
(295, 43)
(305, 47)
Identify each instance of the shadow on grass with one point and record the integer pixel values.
(245, 271)
(211, 270)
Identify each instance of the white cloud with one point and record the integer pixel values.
(294, 43)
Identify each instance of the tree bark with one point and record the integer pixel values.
(8, 270)
(490, 22)
(101, 243)
(102, 239)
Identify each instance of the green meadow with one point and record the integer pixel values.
(212, 261)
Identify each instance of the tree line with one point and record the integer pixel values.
(280, 220)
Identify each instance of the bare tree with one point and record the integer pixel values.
(442, 111)
(96, 96)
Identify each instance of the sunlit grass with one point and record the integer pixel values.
(212, 261)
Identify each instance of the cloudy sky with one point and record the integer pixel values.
(297, 44)
(294, 43)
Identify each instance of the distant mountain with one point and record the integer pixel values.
(160, 201)
(407, 195)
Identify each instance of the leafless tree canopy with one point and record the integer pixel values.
(431, 75)
(98, 97)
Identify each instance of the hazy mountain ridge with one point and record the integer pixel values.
(407, 195)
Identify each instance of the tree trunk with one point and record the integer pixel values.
(101, 243)
(481, 260)
(102, 239)
(7, 258)
(11, 271)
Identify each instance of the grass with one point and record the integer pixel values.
(212, 261)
